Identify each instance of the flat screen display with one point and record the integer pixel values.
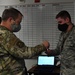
(45, 60)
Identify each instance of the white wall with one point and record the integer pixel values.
(30, 63)
(16, 2)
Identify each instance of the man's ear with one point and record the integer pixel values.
(10, 19)
(67, 19)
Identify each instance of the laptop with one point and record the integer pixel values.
(45, 63)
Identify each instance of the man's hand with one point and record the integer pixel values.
(46, 44)
(48, 52)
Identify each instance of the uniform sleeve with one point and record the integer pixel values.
(57, 50)
(17, 48)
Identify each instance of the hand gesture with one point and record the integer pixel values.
(46, 44)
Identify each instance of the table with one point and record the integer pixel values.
(55, 72)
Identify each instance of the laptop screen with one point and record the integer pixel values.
(46, 60)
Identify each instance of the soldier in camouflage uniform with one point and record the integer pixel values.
(66, 45)
(12, 50)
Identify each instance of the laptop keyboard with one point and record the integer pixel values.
(44, 69)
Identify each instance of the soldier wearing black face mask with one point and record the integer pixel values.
(66, 45)
(63, 27)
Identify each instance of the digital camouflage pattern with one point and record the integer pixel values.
(66, 49)
(13, 52)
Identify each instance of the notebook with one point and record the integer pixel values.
(45, 63)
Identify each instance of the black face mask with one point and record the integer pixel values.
(63, 27)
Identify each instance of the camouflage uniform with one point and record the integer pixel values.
(66, 49)
(13, 52)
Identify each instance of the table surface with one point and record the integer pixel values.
(56, 70)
